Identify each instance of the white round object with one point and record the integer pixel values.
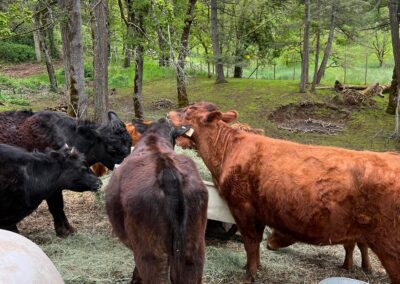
(341, 280)
(23, 262)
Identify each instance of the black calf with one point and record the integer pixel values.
(27, 178)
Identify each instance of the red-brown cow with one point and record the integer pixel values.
(157, 204)
(315, 194)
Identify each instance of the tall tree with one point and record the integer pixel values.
(328, 47)
(317, 47)
(306, 49)
(393, 106)
(99, 11)
(163, 57)
(136, 31)
(380, 44)
(219, 67)
(71, 35)
(183, 50)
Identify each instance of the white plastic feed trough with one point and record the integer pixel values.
(217, 207)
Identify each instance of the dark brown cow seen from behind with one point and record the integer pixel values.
(315, 194)
(157, 205)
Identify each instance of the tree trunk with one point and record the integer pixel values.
(73, 57)
(163, 59)
(238, 72)
(77, 75)
(306, 50)
(394, 88)
(53, 49)
(67, 63)
(100, 59)
(327, 53)
(219, 68)
(127, 55)
(207, 59)
(317, 47)
(49, 64)
(136, 28)
(138, 83)
(180, 68)
(37, 45)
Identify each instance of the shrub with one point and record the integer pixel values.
(14, 52)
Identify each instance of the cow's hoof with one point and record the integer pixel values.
(367, 268)
(248, 279)
(65, 231)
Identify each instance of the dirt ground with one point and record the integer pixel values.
(24, 70)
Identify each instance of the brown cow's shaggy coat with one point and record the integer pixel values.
(157, 204)
(315, 194)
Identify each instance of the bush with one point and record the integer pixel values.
(14, 52)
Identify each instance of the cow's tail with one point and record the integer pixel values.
(169, 179)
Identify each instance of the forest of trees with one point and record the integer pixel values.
(216, 32)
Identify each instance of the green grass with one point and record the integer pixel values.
(256, 99)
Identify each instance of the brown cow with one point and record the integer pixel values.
(315, 194)
(157, 205)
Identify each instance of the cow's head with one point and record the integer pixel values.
(108, 144)
(199, 115)
(162, 128)
(75, 172)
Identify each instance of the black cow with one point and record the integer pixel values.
(108, 144)
(27, 178)
(157, 204)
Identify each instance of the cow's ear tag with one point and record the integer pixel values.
(190, 132)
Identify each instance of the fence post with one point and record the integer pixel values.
(294, 69)
(345, 67)
(366, 69)
(257, 69)
(274, 69)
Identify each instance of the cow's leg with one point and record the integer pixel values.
(388, 250)
(252, 233)
(348, 259)
(153, 268)
(278, 240)
(390, 261)
(56, 207)
(365, 264)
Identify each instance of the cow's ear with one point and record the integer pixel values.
(87, 132)
(115, 122)
(140, 126)
(213, 116)
(230, 116)
(179, 131)
(112, 116)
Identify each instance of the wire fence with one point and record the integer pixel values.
(291, 70)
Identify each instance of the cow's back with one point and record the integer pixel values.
(30, 130)
(319, 187)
